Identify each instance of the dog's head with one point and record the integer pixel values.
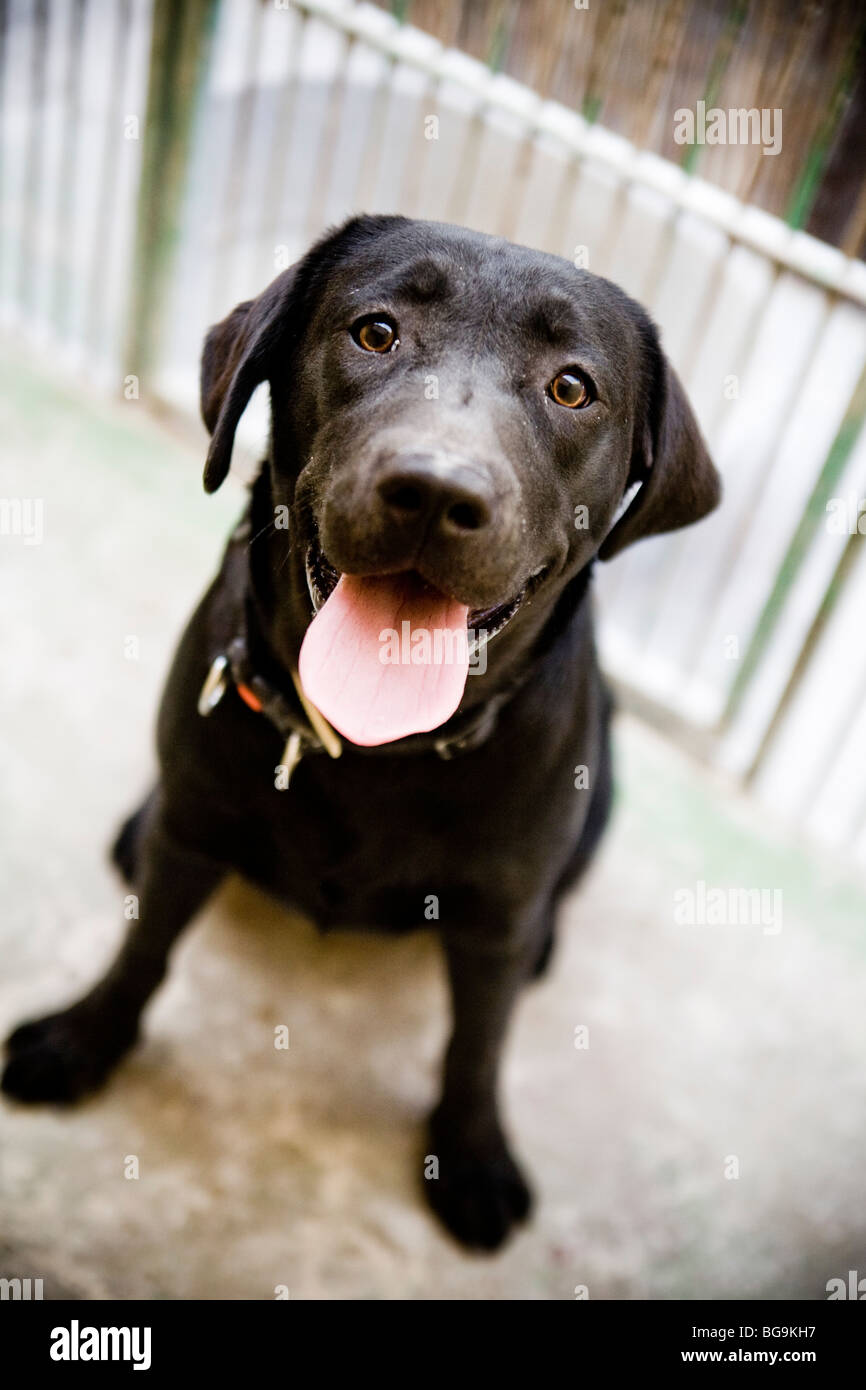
(460, 426)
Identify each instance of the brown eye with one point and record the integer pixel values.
(570, 389)
(375, 334)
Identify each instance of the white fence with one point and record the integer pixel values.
(72, 76)
(748, 627)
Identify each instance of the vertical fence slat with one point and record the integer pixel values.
(17, 72)
(180, 44)
(763, 693)
(496, 187)
(828, 697)
(67, 175)
(400, 168)
(769, 379)
(805, 443)
(111, 271)
(33, 157)
(539, 205)
(237, 154)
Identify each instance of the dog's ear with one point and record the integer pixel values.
(237, 357)
(678, 482)
(240, 353)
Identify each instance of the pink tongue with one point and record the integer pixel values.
(385, 657)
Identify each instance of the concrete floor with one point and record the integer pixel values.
(260, 1167)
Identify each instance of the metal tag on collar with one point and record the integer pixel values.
(292, 754)
(447, 748)
(325, 732)
(214, 686)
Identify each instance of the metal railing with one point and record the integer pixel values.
(260, 125)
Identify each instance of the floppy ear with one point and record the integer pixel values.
(678, 482)
(240, 352)
(237, 357)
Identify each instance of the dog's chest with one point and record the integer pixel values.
(393, 844)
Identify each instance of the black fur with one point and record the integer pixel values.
(499, 833)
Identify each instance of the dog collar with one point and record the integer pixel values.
(304, 732)
(304, 728)
(316, 735)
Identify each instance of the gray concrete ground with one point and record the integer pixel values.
(260, 1167)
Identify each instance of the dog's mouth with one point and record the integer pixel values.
(387, 656)
(483, 623)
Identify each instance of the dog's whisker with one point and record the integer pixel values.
(271, 526)
(282, 565)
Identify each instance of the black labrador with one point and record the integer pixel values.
(378, 707)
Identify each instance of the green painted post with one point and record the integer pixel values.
(734, 21)
(180, 44)
(808, 184)
(814, 516)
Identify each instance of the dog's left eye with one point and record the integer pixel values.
(571, 389)
(375, 333)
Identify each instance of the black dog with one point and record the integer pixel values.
(460, 427)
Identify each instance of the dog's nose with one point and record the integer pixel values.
(438, 494)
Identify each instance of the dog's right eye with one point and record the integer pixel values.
(375, 333)
(571, 389)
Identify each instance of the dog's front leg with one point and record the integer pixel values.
(62, 1056)
(476, 1188)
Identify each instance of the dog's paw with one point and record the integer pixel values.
(479, 1199)
(62, 1057)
